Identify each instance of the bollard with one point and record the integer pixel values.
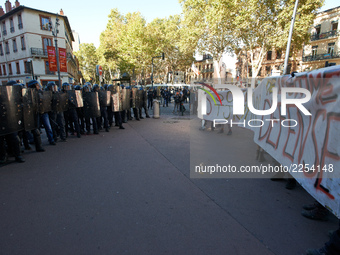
(156, 109)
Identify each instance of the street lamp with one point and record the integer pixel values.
(55, 32)
(161, 56)
(290, 38)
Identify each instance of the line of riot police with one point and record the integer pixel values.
(80, 110)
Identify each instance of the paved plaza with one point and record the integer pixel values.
(130, 192)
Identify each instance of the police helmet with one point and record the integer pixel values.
(86, 88)
(10, 83)
(110, 88)
(66, 86)
(34, 84)
(96, 88)
(77, 87)
(50, 86)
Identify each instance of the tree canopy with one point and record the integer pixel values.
(129, 43)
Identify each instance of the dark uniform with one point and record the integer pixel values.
(144, 104)
(102, 121)
(88, 120)
(71, 116)
(10, 144)
(57, 118)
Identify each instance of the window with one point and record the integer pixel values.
(334, 26)
(0, 71)
(1, 50)
(269, 55)
(11, 24)
(18, 67)
(46, 42)
(25, 66)
(20, 26)
(318, 29)
(278, 54)
(4, 31)
(314, 51)
(331, 48)
(15, 48)
(45, 22)
(7, 47)
(10, 69)
(23, 45)
(4, 69)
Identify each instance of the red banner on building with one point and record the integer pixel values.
(62, 60)
(52, 60)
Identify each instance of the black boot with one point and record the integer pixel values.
(37, 141)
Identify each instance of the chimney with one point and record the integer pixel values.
(1, 11)
(8, 6)
(17, 4)
(61, 12)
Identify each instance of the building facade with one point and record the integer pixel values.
(322, 50)
(324, 46)
(25, 34)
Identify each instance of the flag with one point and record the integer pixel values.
(194, 68)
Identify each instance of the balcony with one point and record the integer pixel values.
(211, 70)
(320, 57)
(38, 52)
(315, 37)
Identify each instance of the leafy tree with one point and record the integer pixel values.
(88, 59)
(217, 26)
(165, 36)
(209, 26)
(124, 44)
(262, 25)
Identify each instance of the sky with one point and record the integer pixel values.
(89, 18)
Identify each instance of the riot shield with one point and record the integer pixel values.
(139, 100)
(59, 102)
(144, 98)
(45, 101)
(116, 103)
(123, 99)
(134, 97)
(75, 98)
(30, 107)
(79, 97)
(11, 110)
(127, 96)
(91, 105)
(104, 98)
(63, 102)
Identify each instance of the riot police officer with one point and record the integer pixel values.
(144, 104)
(103, 111)
(88, 120)
(71, 116)
(114, 112)
(81, 116)
(57, 118)
(43, 117)
(12, 141)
